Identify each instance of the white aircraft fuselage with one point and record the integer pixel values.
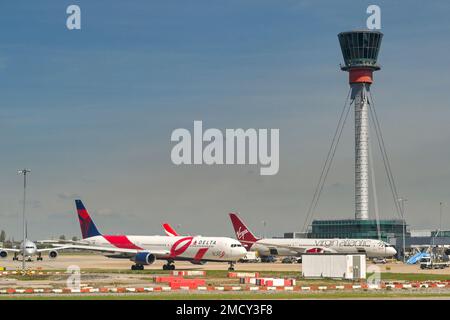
(285, 247)
(191, 248)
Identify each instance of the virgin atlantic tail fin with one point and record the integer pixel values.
(243, 234)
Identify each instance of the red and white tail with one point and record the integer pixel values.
(243, 234)
(169, 230)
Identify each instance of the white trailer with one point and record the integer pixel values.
(329, 265)
(251, 256)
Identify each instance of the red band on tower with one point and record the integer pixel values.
(360, 75)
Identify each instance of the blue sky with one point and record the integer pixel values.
(91, 112)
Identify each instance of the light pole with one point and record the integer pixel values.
(441, 204)
(264, 229)
(402, 211)
(24, 172)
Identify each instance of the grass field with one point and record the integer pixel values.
(223, 274)
(240, 296)
(221, 277)
(386, 276)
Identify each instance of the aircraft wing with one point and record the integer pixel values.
(157, 253)
(53, 249)
(10, 250)
(299, 249)
(61, 242)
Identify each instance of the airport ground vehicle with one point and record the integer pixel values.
(429, 263)
(250, 257)
(297, 246)
(268, 259)
(144, 250)
(379, 261)
(289, 260)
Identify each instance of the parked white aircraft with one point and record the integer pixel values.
(296, 247)
(144, 250)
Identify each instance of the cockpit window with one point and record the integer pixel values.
(236, 245)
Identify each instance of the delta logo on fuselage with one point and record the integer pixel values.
(343, 243)
(181, 245)
(204, 242)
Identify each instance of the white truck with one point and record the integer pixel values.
(251, 256)
(429, 263)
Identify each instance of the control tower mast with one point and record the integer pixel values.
(360, 51)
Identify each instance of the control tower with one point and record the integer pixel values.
(360, 51)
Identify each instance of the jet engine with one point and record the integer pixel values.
(3, 254)
(144, 258)
(53, 254)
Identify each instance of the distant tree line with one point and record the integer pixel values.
(8, 243)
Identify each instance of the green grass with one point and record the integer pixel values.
(237, 296)
(222, 274)
(216, 276)
(30, 277)
(388, 276)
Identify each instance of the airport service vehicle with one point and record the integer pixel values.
(28, 249)
(379, 261)
(429, 263)
(250, 257)
(288, 260)
(268, 259)
(145, 250)
(296, 247)
(291, 259)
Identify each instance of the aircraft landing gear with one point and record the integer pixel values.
(15, 257)
(169, 266)
(39, 258)
(231, 268)
(137, 267)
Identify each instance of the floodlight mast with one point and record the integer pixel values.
(24, 172)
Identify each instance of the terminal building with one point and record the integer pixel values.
(389, 230)
(428, 237)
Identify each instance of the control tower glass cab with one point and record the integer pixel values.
(360, 50)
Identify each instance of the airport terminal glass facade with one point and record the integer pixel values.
(442, 233)
(353, 229)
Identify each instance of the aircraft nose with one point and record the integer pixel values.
(391, 251)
